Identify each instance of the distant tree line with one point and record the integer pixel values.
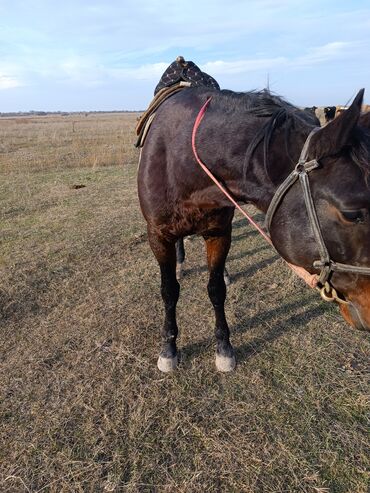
(62, 113)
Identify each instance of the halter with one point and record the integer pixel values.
(300, 172)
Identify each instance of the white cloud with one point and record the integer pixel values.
(92, 71)
(314, 56)
(95, 70)
(9, 77)
(78, 69)
(327, 52)
(221, 67)
(8, 82)
(144, 72)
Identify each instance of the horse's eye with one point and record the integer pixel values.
(354, 216)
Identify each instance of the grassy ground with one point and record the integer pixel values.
(82, 405)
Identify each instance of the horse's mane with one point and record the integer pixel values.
(280, 112)
(360, 151)
(264, 104)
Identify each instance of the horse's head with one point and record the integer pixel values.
(340, 189)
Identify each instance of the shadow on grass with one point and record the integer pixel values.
(242, 236)
(252, 269)
(255, 346)
(240, 223)
(303, 313)
(191, 351)
(302, 310)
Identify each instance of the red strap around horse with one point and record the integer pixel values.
(310, 279)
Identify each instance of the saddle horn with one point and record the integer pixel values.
(181, 61)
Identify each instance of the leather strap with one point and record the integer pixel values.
(325, 264)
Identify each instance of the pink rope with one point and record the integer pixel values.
(310, 279)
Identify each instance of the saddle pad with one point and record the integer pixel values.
(180, 70)
(141, 138)
(179, 74)
(158, 99)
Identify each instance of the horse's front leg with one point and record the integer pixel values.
(165, 254)
(217, 250)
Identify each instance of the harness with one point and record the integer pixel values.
(301, 173)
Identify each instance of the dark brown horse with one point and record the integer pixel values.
(251, 142)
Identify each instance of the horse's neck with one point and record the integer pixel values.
(253, 182)
(261, 182)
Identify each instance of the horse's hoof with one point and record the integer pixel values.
(225, 363)
(179, 271)
(166, 365)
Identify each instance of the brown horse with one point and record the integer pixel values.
(251, 142)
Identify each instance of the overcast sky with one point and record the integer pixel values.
(109, 55)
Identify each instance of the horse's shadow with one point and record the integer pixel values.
(241, 223)
(294, 320)
(242, 236)
(302, 309)
(252, 269)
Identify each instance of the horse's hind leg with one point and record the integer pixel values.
(165, 254)
(217, 250)
(180, 257)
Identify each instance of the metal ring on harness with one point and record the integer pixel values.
(328, 293)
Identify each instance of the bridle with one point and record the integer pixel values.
(325, 264)
(301, 171)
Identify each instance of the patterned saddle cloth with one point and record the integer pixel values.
(179, 75)
(180, 70)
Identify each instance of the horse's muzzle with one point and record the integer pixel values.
(356, 316)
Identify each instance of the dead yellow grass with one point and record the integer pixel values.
(82, 405)
(58, 142)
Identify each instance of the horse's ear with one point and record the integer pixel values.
(336, 134)
(365, 120)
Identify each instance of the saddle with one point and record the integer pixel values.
(180, 70)
(178, 76)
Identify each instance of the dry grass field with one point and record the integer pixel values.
(83, 407)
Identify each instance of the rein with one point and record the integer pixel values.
(310, 279)
(300, 172)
